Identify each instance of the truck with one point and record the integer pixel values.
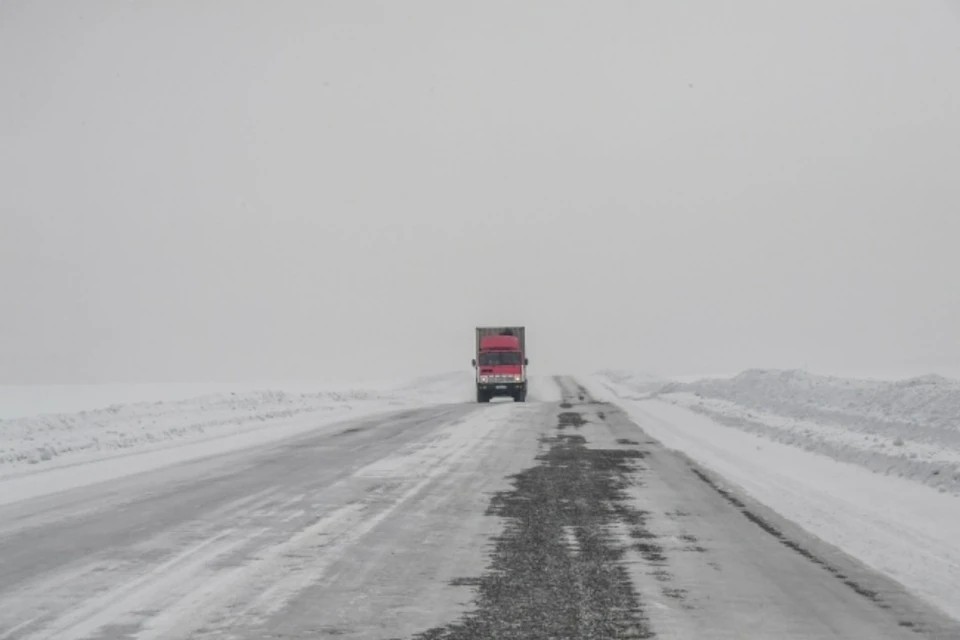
(501, 363)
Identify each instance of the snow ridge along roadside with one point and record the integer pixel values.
(45, 453)
(899, 526)
(48, 441)
(906, 428)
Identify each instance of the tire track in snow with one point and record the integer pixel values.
(263, 588)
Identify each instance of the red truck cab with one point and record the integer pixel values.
(501, 363)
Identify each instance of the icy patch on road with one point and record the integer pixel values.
(906, 428)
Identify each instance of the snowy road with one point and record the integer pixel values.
(453, 521)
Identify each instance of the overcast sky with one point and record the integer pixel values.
(219, 191)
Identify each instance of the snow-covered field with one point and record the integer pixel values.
(868, 466)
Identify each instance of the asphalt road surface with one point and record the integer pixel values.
(536, 520)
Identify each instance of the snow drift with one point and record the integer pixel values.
(41, 440)
(53, 440)
(907, 428)
(854, 462)
(49, 441)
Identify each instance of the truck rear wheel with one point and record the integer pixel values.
(521, 396)
(482, 396)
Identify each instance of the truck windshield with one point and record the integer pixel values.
(499, 357)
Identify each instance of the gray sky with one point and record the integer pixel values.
(257, 190)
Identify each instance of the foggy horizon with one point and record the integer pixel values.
(216, 191)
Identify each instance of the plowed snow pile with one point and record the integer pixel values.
(54, 440)
(51, 440)
(908, 428)
(869, 467)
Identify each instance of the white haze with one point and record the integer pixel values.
(203, 190)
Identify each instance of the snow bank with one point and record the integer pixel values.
(900, 528)
(931, 401)
(55, 440)
(907, 428)
(24, 401)
(441, 388)
(640, 384)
